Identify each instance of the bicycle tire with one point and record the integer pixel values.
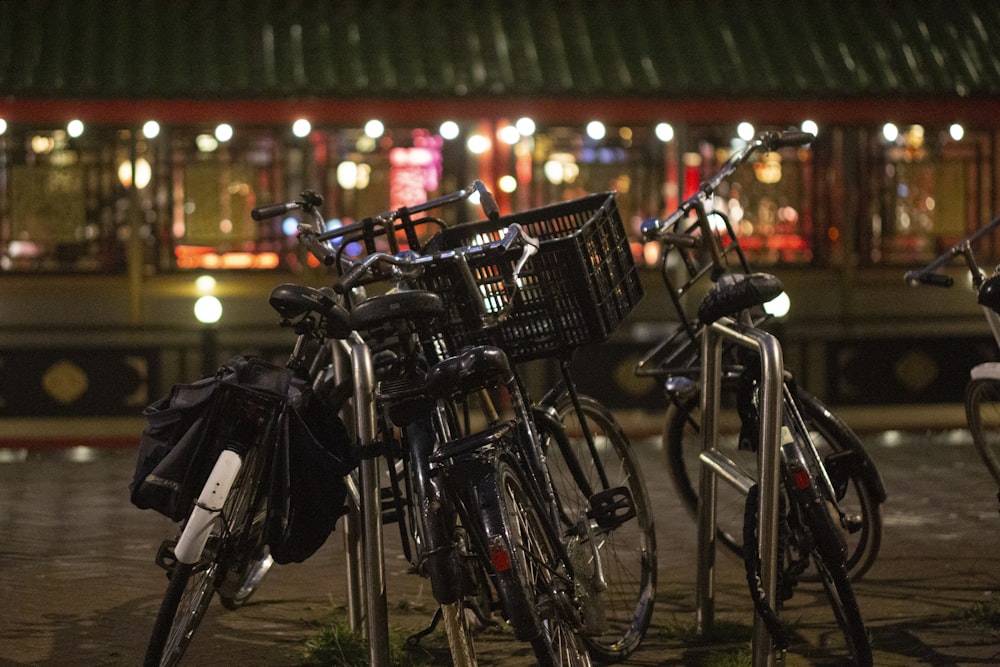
(191, 587)
(827, 550)
(531, 580)
(982, 411)
(863, 494)
(627, 551)
(440, 543)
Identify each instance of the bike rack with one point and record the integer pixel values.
(372, 546)
(715, 464)
(354, 576)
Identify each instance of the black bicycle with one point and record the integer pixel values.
(831, 489)
(565, 549)
(239, 522)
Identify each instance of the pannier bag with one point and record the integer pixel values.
(308, 492)
(187, 429)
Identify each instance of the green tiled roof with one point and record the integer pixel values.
(353, 49)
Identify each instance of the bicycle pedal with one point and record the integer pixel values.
(165, 557)
(853, 523)
(612, 507)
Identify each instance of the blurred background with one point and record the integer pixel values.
(135, 137)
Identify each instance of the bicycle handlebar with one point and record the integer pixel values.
(415, 262)
(767, 141)
(404, 263)
(928, 275)
(313, 234)
(409, 263)
(914, 278)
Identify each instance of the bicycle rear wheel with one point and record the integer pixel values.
(626, 548)
(982, 410)
(827, 549)
(537, 593)
(232, 552)
(859, 495)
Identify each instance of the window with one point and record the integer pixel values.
(925, 184)
(62, 204)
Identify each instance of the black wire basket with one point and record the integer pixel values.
(576, 290)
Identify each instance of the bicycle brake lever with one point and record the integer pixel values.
(530, 249)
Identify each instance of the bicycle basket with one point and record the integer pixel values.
(576, 290)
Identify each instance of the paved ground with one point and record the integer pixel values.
(78, 586)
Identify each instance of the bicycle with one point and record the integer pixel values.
(223, 545)
(830, 488)
(982, 393)
(460, 312)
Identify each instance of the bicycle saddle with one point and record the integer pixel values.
(409, 305)
(292, 301)
(471, 369)
(989, 293)
(738, 291)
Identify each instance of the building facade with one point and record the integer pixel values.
(135, 142)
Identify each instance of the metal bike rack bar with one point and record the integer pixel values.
(715, 465)
(372, 547)
(341, 355)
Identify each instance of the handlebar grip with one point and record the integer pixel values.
(487, 201)
(773, 140)
(272, 210)
(914, 278)
(794, 138)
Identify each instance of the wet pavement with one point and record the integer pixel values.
(78, 585)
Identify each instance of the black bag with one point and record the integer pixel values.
(185, 431)
(308, 491)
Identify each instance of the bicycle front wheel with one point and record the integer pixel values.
(605, 474)
(982, 411)
(859, 496)
(231, 553)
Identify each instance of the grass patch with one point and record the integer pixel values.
(735, 636)
(984, 615)
(737, 657)
(720, 632)
(336, 645)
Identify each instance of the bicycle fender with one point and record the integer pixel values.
(862, 460)
(987, 371)
(213, 496)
